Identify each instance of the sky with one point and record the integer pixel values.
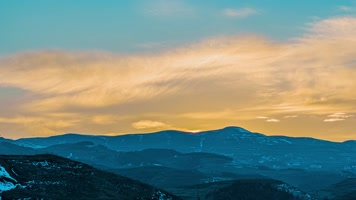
(117, 67)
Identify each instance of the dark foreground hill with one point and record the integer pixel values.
(52, 177)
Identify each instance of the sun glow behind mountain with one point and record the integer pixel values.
(152, 69)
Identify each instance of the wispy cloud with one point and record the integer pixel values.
(333, 120)
(148, 124)
(272, 120)
(347, 8)
(290, 116)
(240, 13)
(106, 119)
(40, 125)
(210, 115)
(225, 78)
(339, 116)
(268, 119)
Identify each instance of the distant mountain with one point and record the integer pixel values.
(246, 148)
(53, 177)
(101, 156)
(8, 148)
(87, 152)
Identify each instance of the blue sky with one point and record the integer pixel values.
(146, 25)
(280, 67)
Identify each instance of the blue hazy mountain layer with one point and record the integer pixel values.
(246, 148)
(231, 153)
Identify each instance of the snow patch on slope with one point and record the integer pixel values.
(4, 184)
(286, 141)
(4, 173)
(295, 192)
(70, 155)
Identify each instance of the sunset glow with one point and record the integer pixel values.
(144, 66)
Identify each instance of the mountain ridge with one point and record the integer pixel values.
(243, 146)
(172, 131)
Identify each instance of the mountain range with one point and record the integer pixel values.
(172, 159)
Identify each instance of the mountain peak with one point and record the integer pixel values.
(228, 130)
(235, 128)
(232, 129)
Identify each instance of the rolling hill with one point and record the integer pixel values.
(52, 177)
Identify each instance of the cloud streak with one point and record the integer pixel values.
(272, 120)
(333, 120)
(337, 117)
(148, 124)
(347, 8)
